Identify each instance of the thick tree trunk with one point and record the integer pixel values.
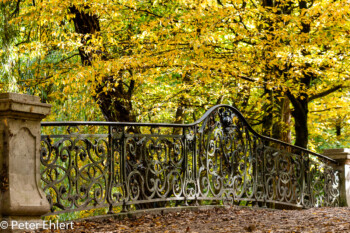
(85, 24)
(300, 103)
(301, 128)
(299, 113)
(115, 105)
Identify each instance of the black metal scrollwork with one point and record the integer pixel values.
(219, 158)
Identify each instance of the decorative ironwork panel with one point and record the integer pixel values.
(154, 167)
(217, 159)
(75, 171)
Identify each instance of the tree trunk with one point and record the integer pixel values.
(179, 119)
(281, 128)
(338, 125)
(300, 103)
(115, 105)
(301, 128)
(268, 115)
(299, 113)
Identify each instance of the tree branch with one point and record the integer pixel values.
(326, 92)
(67, 58)
(327, 109)
(294, 101)
(134, 9)
(16, 11)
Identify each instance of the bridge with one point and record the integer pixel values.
(219, 159)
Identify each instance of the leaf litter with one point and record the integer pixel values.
(230, 219)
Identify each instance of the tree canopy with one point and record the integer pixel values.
(279, 62)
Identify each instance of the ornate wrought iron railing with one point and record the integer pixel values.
(217, 159)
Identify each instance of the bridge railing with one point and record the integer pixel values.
(217, 159)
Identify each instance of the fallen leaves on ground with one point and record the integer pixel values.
(232, 219)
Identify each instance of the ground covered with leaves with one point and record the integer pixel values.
(230, 219)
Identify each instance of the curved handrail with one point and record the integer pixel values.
(200, 120)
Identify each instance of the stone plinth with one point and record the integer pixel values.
(342, 156)
(21, 197)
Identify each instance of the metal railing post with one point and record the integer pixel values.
(110, 172)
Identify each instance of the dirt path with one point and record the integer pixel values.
(232, 219)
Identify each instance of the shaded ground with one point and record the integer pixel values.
(231, 219)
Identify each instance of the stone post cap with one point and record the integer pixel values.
(20, 105)
(338, 154)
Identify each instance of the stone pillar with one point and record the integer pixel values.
(21, 197)
(342, 156)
